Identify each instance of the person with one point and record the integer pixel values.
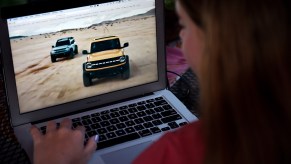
(239, 50)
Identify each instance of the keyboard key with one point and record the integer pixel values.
(129, 123)
(123, 107)
(141, 103)
(132, 116)
(118, 140)
(144, 133)
(114, 110)
(114, 121)
(150, 100)
(91, 133)
(105, 117)
(96, 119)
(95, 126)
(114, 114)
(95, 114)
(168, 113)
(150, 105)
(104, 123)
(138, 127)
(111, 128)
(155, 130)
(156, 116)
(87, 122)
(183, 123)
(173, 125)
(150, 111)
(148, 118)
(132, 110)
(123, 118)
(110, 135)
(141, 107)
(105, 112)
(165, 129)
(157, 122)
(120, 132)
(101, 138)
(148, 125)
(85, 117)
(141, 114)
(101, 131)
(167, 107)
(123, 112)
(132, 105)
(120, 126)
(129, 130)
(162, 102)
(139, 121)
(171, 118)
(158, 109)
(159, 98)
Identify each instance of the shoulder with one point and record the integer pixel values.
(180, 146)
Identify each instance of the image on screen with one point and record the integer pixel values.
(72, 54)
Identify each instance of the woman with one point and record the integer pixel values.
(239, 50)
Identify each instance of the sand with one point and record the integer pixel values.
(41, 83)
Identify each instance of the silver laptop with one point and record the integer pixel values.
(100, 63)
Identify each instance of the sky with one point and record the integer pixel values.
(77, 18)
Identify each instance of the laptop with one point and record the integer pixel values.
(100, 63)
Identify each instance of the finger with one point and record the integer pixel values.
(81, 129)
(36, 134)
(66, 123)
(51, 126)
(90, 146)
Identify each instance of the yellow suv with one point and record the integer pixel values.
(105, 59)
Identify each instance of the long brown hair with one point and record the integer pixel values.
(245, 79)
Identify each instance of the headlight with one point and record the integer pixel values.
(89, 65)
(122, 59)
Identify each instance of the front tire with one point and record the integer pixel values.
(53, 59)
(71, 54)
(86, 79)
(126, 73)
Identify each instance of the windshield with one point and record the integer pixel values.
(105, 45)
(62, 43)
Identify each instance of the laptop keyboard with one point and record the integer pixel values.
(130, 122)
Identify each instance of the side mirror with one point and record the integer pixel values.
(53, 46)
(125, 45)
(85, 52)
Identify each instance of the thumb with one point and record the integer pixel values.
(91, 146)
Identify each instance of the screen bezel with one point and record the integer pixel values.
(75, 106)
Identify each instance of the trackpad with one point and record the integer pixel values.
(125, 156)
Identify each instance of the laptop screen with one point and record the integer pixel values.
(68, 55)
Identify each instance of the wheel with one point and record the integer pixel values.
(71, 54)
(76, 49)
(86, 79)
(53, 59)
(126, 73)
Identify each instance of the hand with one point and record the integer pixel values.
(63, 145)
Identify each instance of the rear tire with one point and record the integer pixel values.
(76, 50)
